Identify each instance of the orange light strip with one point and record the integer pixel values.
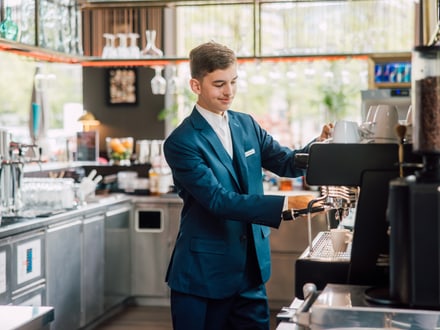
(44, 55)
(164, 62)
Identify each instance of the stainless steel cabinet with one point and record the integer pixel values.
(63, 255)
(154, 231)
(117, 255)
(92, 268)
(5, 272)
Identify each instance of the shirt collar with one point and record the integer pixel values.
(214, 119)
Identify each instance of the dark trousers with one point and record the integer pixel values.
(246, 310)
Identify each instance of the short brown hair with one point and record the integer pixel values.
(209, 57)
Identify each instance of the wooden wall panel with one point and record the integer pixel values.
(97, 21)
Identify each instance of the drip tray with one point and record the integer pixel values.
(322, 249)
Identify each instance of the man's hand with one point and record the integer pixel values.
(326, 132)
(299, 201)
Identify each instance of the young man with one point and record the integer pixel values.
(222, 256)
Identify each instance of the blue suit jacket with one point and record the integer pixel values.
(220, 200)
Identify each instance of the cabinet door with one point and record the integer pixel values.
(5, 273)
(92, 269)
(117, 256)
(63, 271)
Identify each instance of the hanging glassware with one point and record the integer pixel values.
(173, 82)
(150, 49)
(8, 28)
(158, 83)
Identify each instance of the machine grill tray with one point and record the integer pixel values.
(322, 249)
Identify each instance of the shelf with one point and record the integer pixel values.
(87, 61)
(99, 62)
(38, 53)
(392, 85)
(393, 69)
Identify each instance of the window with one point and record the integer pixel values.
(293, 96)
(62, 84)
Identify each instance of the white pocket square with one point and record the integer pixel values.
(249, 152)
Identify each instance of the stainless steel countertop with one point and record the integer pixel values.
(25, 317)
(13, 226)
(16, 225)
(341, 306)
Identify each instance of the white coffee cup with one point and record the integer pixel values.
(386, 119)
(340, 238)
(346, 131)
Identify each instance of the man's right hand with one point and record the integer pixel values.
(299, 201)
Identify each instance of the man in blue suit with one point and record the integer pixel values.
(221, 260)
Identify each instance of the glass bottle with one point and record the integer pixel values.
(8, 28)
(150, 49)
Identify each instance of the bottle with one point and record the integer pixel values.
(8, 28)
(165, 179)
(154, 177)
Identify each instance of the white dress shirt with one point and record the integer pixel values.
(220, 125)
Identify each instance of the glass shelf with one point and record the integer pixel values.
(87, 61)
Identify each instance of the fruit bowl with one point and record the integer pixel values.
(119, 150)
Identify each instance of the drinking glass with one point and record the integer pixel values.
(122, 49)
(134, 51)
(109, 50)
(158, 83)
(173, 82)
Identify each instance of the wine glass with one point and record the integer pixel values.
(122, 49)
(109, 50)
(134, 50)
(158, 83)
(173, 82)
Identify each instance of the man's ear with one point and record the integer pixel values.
(195, 85)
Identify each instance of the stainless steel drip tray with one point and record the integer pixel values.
(341, 306)
(322, 250)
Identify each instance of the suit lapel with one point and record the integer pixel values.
(211, 137)
(238, 144)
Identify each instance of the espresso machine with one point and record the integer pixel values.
(368, 168)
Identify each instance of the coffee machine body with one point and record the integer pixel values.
(370, 167)
(414, 201)
(414, 215)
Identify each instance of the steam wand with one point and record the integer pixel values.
(309, 219)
